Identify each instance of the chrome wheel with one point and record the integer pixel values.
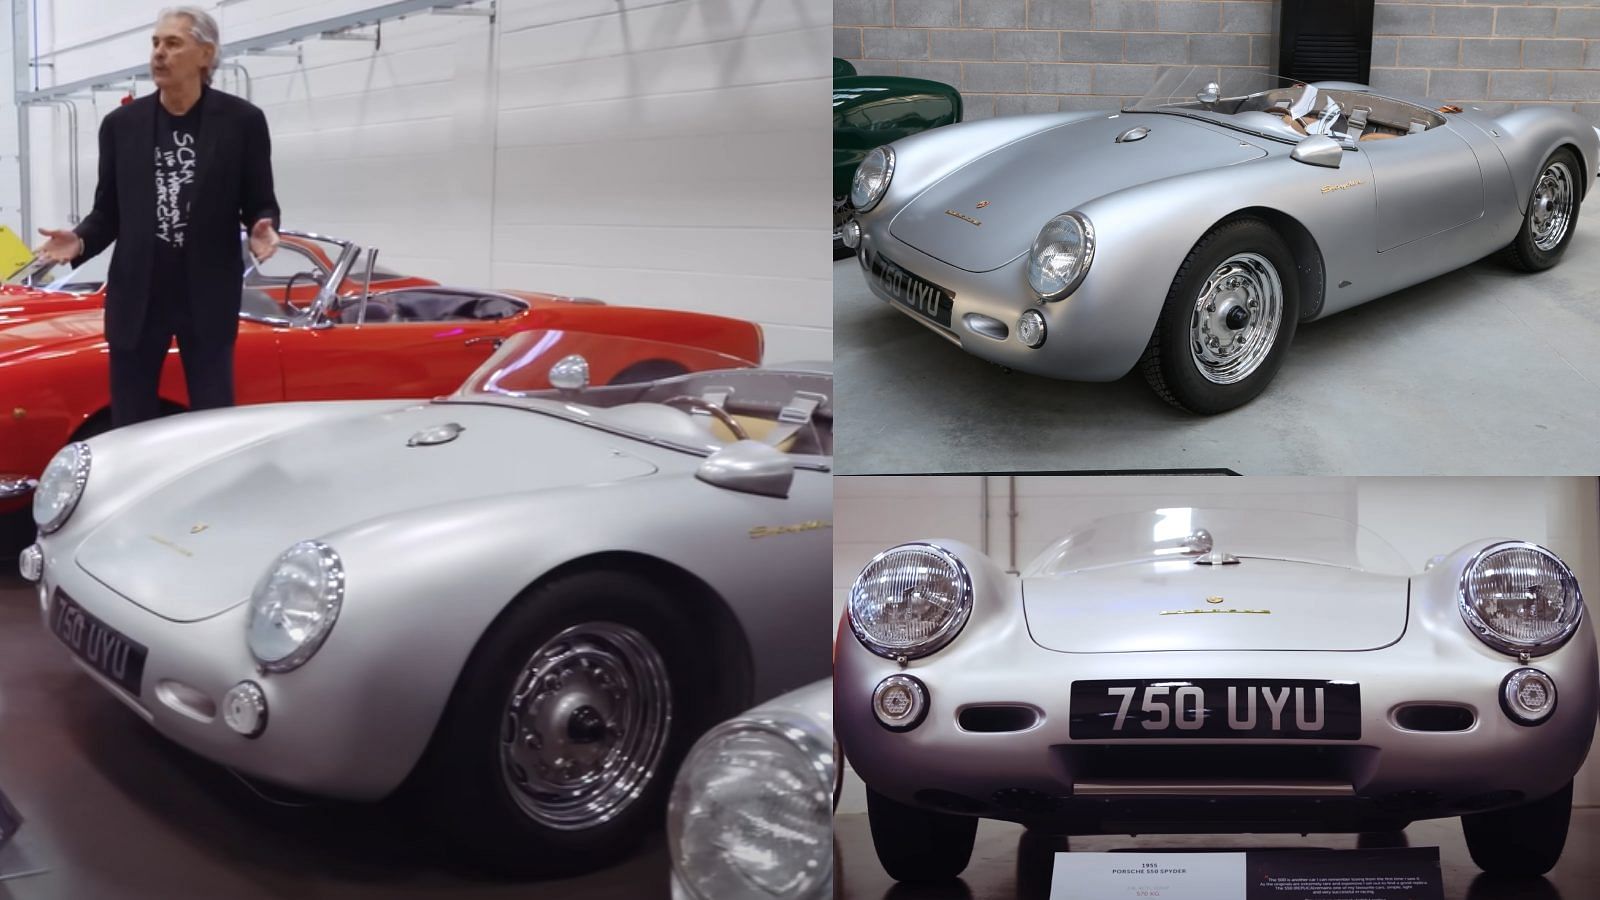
(1236, 318)
(841, 215)
(1551, 211)
(586, 725)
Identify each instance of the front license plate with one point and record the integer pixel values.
(113, 655)
(922, 297)
(1176, 708)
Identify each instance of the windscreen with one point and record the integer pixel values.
(1188, 532)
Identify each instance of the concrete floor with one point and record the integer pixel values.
(1481, 371)
(1010, 864)
(114, 810)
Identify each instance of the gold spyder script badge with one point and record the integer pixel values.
(1330, 188)
(761, 531)
(963, 217)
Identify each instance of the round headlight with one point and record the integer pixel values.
(1520, 598)
(872, 178)
(295, 605)
(1061, 255)
(752, 812)
(60, 487)
(910, 601)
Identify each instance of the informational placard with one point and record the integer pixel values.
(1410, 873)
(1141, 876)
(1402, 873)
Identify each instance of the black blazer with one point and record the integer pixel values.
(232, 187)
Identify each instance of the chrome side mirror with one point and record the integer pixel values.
(749, 467)
(1318, 150)
(1210, 94)
(570, 373)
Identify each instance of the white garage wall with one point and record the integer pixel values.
(663, 153)
(1420, 517)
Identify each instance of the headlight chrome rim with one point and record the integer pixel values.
(801, 732)
(80, 479)
(332, 601)
(919, 702)
(1086, 228)
(1493, 638)
(872, 197)
(1509, 687)
(941, 638)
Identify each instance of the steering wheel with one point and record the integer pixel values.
(315, 278)
(695, 404)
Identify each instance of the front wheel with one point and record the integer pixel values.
(1522, 840)
(1552, 215)
(1227, 321)
(918, 845)
(559, 744)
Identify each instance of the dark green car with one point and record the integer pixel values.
(872, 110)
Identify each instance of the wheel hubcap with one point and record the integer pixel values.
(1551, 212)
(586, 725)
(1236, 318)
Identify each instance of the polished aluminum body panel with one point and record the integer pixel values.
(1390, 774)
(435, 541)
(1395, 213)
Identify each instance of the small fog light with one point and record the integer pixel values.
(244, 708)
(1030, 328)
(1528, 696)
(900, 702)
(851, 234)
(31, 562)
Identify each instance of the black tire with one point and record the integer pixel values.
(462, 782)
(1169, 365)
(649, 370)
(1524, 252)
(1523, 840)
(918, 845)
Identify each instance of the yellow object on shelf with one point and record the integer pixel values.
(14, 253)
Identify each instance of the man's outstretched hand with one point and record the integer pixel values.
(63, 245)
(263, 240)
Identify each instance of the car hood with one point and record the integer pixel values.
(49, 333)
(1013, 190)
(21, 303)
(1259, 604)
(195, 546)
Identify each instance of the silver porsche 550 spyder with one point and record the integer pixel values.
(1189, 234)
(1194, 670)
(521, 602)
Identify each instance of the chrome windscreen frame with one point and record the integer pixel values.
(317, 315)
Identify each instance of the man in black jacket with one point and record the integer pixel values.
(176, 270)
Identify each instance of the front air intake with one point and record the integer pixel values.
(1434, 717)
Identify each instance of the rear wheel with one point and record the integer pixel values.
(558, 748)
(917, 844)
(1552, 215)
(1522, 840)
(1228, 320)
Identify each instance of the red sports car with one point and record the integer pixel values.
(297, 271)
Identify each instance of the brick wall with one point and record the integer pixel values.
(1017, 56)
(1496, 56)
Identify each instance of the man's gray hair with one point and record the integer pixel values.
(202, 28)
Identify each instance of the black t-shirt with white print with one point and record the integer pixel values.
(176, 161)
